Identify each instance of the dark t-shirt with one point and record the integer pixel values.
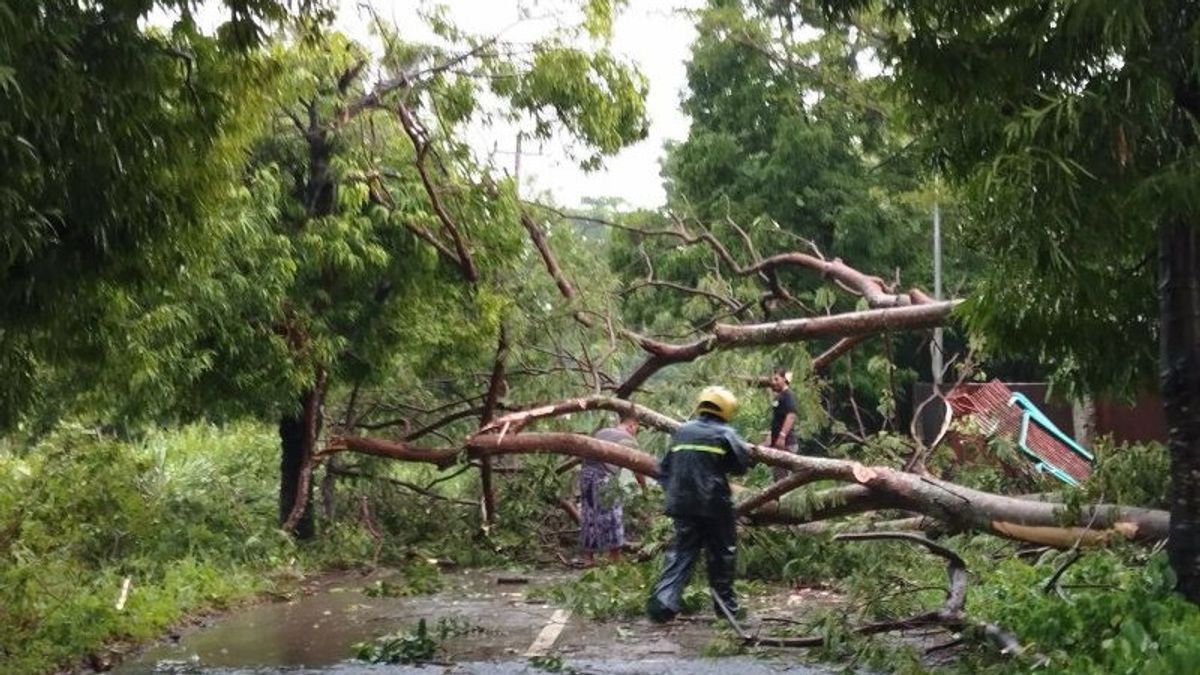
(783, 404)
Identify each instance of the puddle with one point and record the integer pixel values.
(316, 634)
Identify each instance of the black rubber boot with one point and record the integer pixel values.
(658, 612)
(667, 597)
(720, 552)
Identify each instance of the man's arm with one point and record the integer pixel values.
(781, 439)
(788, 401)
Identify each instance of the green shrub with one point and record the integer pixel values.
(186, 515)
(1136, 474)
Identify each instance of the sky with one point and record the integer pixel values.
(653, 34)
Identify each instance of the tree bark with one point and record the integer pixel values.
(495, 384)
(1179, 360)
(873, 487)
(296, 465)
(379, 447)
(293, 467)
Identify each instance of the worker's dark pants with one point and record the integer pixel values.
(718, 537)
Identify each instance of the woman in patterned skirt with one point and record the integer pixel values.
(601, 516)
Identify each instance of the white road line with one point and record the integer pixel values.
(545, 639)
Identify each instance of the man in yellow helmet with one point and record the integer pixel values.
(693, 472)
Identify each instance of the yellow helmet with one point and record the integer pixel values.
(718, 401)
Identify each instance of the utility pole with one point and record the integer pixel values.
(936, 346)
(517, 166)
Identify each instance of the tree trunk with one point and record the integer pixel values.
(298, 437)
(496, 388)
(1179, 360)
(291, 468)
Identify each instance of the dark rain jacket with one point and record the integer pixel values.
(703, 451)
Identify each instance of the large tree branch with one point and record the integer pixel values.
(577, 445)
(421, 147)
(728, 336)
(543, 249)
(439, 457)
(646, 416)
(841, 347)
(911, 310)
(849, 324)
(878, 486)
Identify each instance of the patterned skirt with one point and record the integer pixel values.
(602, 520)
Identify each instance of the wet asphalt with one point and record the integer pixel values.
(500, 630)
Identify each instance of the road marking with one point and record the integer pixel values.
(545, 639)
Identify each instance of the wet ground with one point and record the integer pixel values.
(496, 628)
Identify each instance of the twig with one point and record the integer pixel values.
(1052, 582)
(348, 473)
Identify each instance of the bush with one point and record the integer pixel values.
(187, 515)
(1134, 474)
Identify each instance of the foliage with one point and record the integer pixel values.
(1131, 623)
(1136, 474)
(619, 591)
(416, 645)
(1072, 129)
(186, 515)
(552, 663)
(418, 577)
(412, 647)
(118, 146)
(1114, 610)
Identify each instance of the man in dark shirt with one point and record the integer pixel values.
(783, 418)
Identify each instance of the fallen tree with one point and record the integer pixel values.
(869, 488)
(877, 487)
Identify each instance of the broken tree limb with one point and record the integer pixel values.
(439, 457)
(872, 487)
(822, 360)
(483, 445)
(952, 614)
(823, 505)
(872, 288)
(859, 324)
(848, 324)
(912, 523)
(888, 309)
(773, 492)
(643, 414)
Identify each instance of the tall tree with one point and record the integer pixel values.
(1075, 128)
(792, 138)
(398, 237)
(117, 144)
